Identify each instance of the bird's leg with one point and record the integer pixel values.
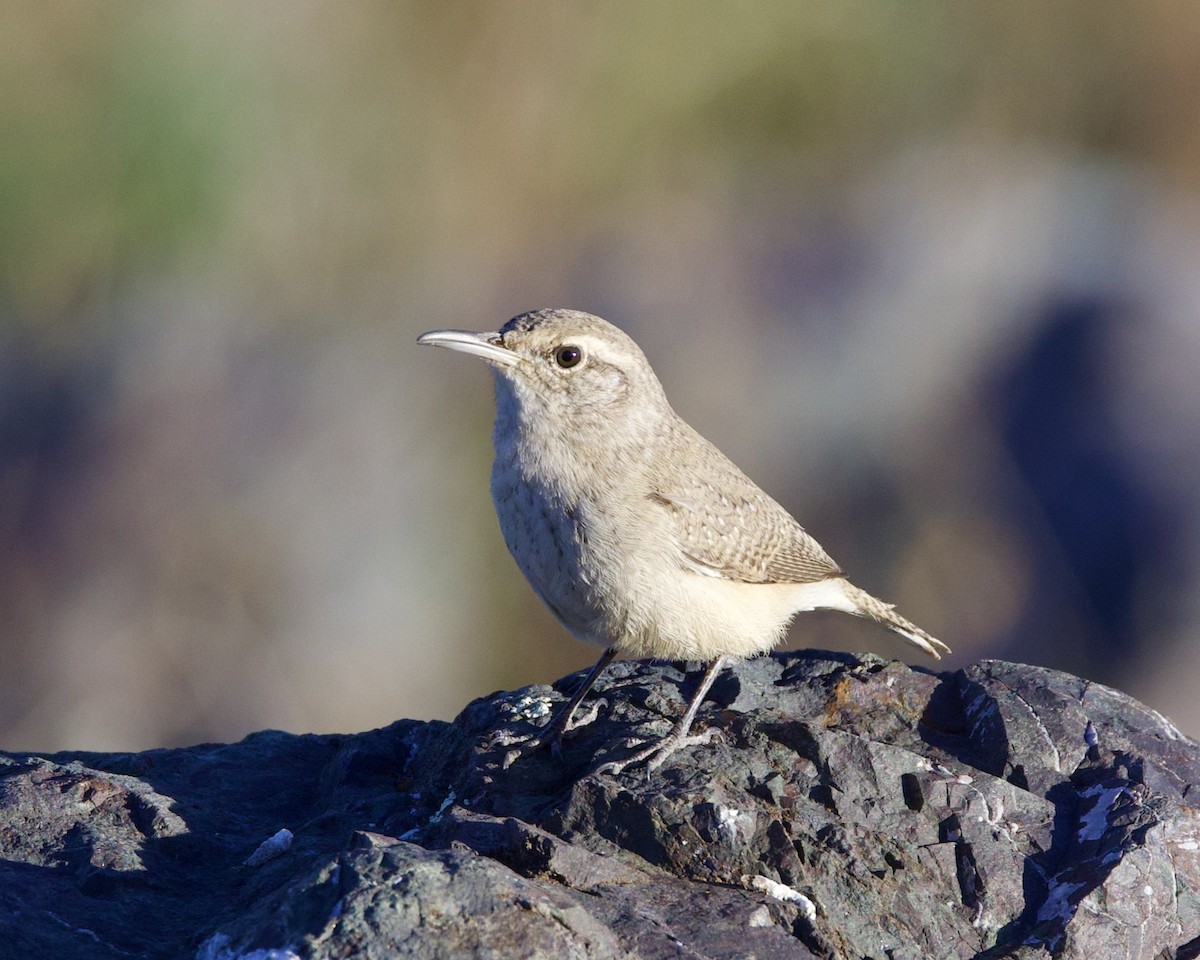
(561, 722)
(657, 753)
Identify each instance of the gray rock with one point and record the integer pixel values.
(850, 807)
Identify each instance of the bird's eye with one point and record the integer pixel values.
(567, 356)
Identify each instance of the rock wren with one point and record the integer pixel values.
(638, 533)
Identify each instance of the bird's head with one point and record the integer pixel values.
(563, 366)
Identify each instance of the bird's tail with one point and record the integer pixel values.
(862, 604)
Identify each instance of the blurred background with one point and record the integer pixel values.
(929, 273)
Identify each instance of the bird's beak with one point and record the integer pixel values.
(486, 345)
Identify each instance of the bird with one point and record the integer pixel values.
(636, 532)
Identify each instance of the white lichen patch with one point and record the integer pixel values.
(735, 827)
(781, 891)
(272, 847)
(527, 707)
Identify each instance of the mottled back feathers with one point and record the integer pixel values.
(725, 525)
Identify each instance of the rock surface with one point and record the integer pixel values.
(848, 808)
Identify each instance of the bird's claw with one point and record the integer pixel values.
(551, 737)
(590, 717)
(655, 755)
(514, 754)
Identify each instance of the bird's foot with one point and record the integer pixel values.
(657, 753)
(589, 717)
(552, 735)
